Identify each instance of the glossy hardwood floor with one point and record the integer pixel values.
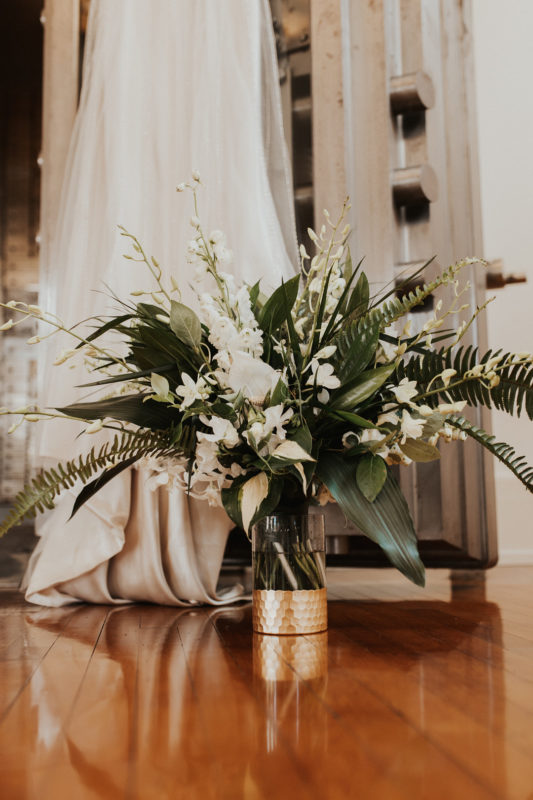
(411, 694)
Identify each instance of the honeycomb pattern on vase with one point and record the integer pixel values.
(289, 612)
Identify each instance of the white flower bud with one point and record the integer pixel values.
(7, 325)
(181, 187)
(196, 176)
(36, 310)
(12, 304)
(63, 356)
(95, 426)
(194, 221)
(34, 340)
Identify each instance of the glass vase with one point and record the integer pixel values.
(289, 574)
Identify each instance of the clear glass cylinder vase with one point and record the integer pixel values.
(289, 574)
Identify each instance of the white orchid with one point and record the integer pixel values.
(251, 376)
(451, 408)
(191, 390)
(405, 391)
(411, 427)
(223, 431)
(446, 375)
(322, 375)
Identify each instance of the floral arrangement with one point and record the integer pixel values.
(255, 402)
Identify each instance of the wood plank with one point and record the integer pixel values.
(410, 694)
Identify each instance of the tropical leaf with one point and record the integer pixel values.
(418, 450)
(386, 521)
(356, 345)
(362, 388)
(394, 309)
(42, 491)
(112, 324)
(503, 451)
(360, 297)
(185, 324)
(280, 302)
(371, 474)
(513, 394)
(253, 492)
(232, 498)
(129, 408)
(93, 487)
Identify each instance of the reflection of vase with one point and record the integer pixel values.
(290, 679)
(289, 575)
(290, 658)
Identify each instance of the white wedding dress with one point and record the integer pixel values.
(168, 86)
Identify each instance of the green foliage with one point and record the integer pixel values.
(386, 521)
(396, 308)
(418, 450)
(371, 474)
(232, 499)
(134, 408)
(513, 394)
(503, 452)
(185, 324)
(356, 345)
(362, 388)
(42, 491)
(275, 311)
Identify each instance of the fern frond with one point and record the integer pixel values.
(503, 451)
(396, 308)
(42, 491)
(513, 394)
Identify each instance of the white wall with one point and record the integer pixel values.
(503, 58)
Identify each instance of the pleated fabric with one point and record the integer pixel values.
(168, 86)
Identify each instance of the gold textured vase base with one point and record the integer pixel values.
(290, 658)
(281, 612)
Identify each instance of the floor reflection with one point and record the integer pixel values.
(281, 665)
(145, 701)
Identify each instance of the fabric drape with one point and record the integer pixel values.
(168, 86)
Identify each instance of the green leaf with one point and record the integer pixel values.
(513, 394)
(185, 324)
(253, 492)
(360, 297)
(386, 521)
(364, 387)
(253, 292)
(46, 486)
(291, 451)
(93, 487)
(231, 500)
(501, 450)
(349, 416)
(432, 424)
(129, 376)
(418, 450)
(279, 394)
(275, 310)
(116, 322)
(356, 347)
(302, 435)
(129, 408)
(371, 474)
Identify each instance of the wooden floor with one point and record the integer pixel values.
(410, 694)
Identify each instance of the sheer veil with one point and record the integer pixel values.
(168, 86)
